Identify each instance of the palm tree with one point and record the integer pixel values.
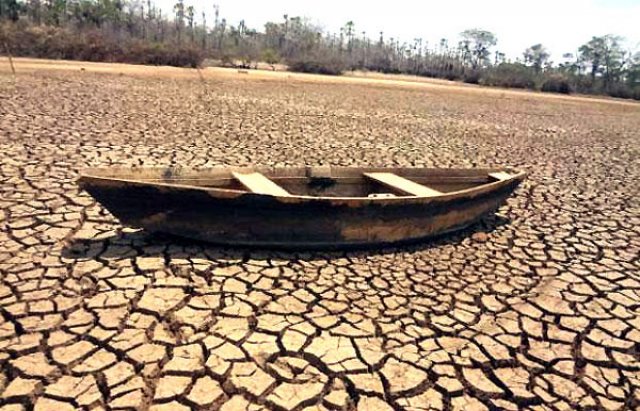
(204, 31)
(178, 9)
(190, 17)
(349, 30)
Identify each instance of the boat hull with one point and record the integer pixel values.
(248, 219)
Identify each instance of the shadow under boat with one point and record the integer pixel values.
(125, 245)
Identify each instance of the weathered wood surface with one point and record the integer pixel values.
(259, 184)
(403, 185)
(500, 175)
(206, 206)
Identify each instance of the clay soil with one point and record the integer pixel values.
(534, 308)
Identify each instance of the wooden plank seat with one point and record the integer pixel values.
(500, 175)
(259, 184)
(403, 185)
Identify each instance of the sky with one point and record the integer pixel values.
(561, 25)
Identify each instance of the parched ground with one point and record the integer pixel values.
(535, 308)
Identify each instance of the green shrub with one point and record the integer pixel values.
(318, 64)
(381, 64)
(556, 84)
(162, 55)
(510, 75)
(471, 76)
(620, 90)
(271, 57)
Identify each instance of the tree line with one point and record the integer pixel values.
(138, 31)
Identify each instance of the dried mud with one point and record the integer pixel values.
(537, 307)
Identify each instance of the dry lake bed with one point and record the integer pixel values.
(534, 308)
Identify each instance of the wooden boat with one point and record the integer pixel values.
(304, 207)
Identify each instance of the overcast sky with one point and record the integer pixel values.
(561, 25)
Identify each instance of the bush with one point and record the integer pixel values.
(556, 84)
(621, 90)
(271, 57)
(94, 45)
(318, 64)
(471, 77)
(510, 75)
(381, 64)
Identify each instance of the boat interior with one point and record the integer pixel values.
(319, 181)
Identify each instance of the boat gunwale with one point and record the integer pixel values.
(232, 194)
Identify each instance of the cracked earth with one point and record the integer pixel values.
(535, 308)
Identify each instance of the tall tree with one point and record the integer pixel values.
(286, 29)
(178, 9)
(478, 44)
(604, 55)
(9, 9)
(34, 7)
(190, 13)
(633, 72)
(349, 32)
(221, 33)
(536, 55)
(204, 31)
